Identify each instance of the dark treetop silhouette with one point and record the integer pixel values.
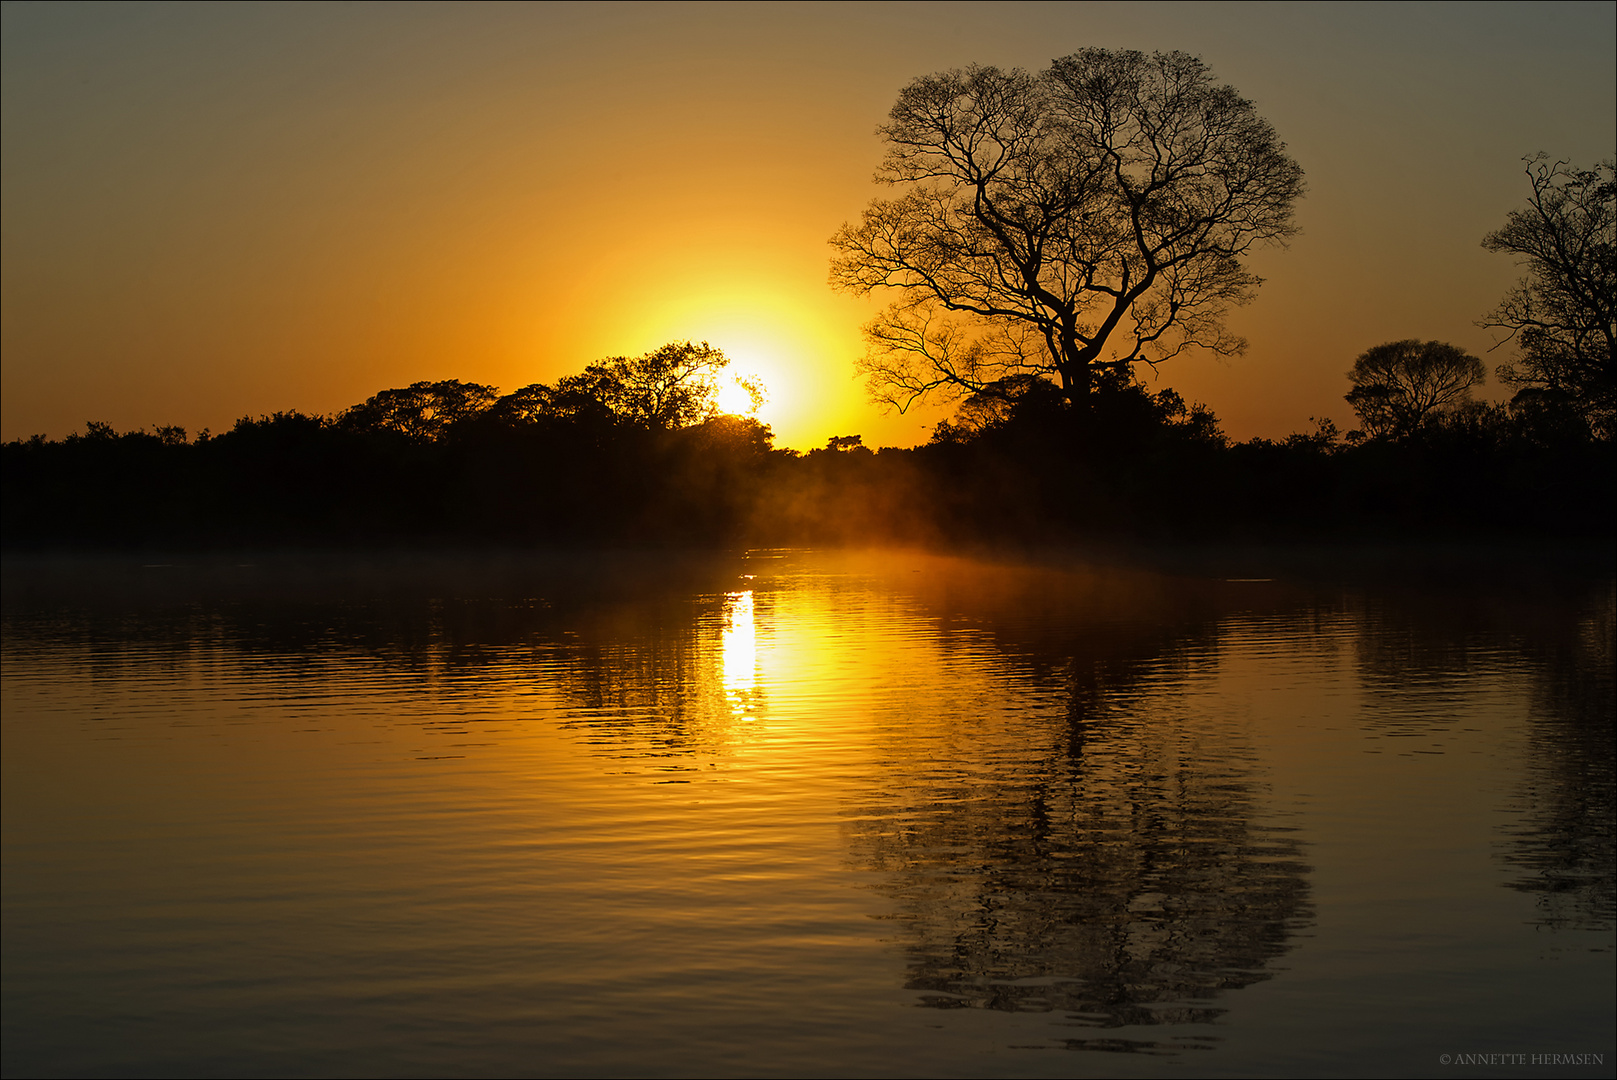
(674, 387)
(1398, 386)
(1084, 219)
(1563, 315)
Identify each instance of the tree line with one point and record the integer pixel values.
(1052, 233)
(637, 452)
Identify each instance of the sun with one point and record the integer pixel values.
(789, 346)
(733, 398)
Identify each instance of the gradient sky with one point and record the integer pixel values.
(212, 211)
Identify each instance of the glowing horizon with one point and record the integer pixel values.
(214, 212)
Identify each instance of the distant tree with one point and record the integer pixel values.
(423, 410)
(538, 402)
(1065, 224)
(1322, 440)
(1401, 385)
(1563, 315)
(674, 387)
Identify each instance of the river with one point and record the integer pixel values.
(809, 813)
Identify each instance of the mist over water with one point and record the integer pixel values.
(787, 812)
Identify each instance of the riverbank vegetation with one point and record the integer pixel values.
(604, 457)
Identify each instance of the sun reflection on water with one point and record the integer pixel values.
(739, 652)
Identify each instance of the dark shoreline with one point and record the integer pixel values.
(282, 571)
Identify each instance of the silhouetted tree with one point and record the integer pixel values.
(998, 404)
(1081, 220)
(423, 410)
(1399, 386)
(1563, 315)
(677, 386)
(674, 387)
(567, 401)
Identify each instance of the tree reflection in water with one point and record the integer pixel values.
(1124, 876)
(1563, 844)
(1417, 653)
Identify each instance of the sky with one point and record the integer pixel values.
(215, 211)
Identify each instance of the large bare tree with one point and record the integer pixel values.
(1563, 315)
(1084, 219)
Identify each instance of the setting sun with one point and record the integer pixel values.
(734, 399)
(779, 325)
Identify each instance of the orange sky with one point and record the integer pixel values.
(214, 211)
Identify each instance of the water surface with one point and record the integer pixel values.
(803, 813)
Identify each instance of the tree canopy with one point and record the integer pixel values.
(1400, 385)
(423, 410)
(676, 386)
(1087, 218)
(1563, 314)
(673, 387)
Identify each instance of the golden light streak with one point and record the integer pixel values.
(739, 654)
